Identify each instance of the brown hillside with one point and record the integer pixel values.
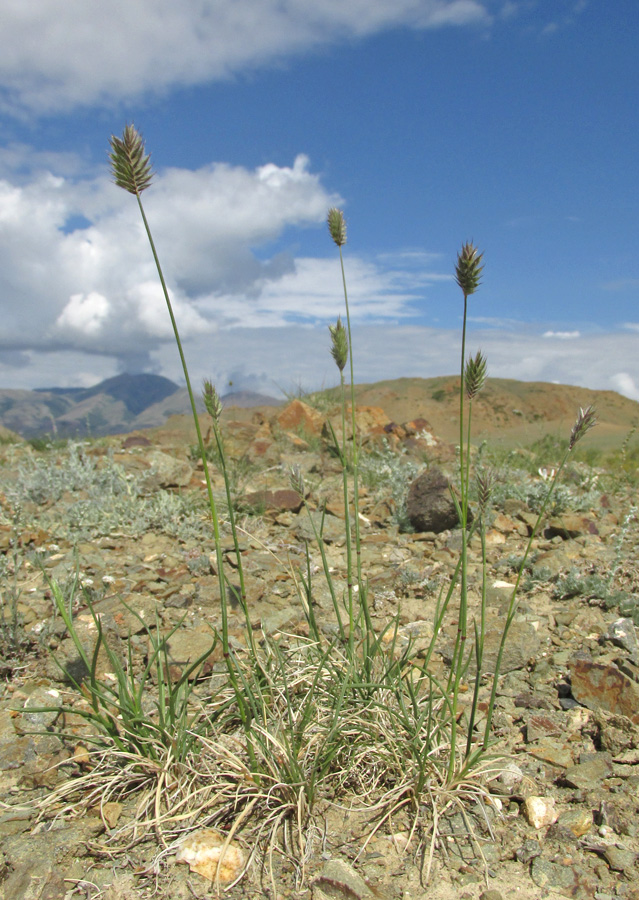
(507, 412)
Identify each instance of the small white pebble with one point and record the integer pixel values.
(540, 811)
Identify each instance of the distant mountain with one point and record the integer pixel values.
(137, 392)
(114, 406)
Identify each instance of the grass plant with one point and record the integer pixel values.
(349, 716)
(118, 709)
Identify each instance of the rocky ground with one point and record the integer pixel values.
(564, 821)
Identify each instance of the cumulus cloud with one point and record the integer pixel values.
(57, 54)
(76, 269)
(84, 312)
(77, 274)
(312, 291)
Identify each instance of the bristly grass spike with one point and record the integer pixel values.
(130, 165)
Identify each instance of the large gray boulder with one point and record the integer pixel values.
(429, 505)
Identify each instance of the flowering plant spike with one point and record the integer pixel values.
(468, 269)
(339, 344)
(337, 226)
(130, 165)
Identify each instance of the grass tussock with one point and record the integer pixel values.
(288, 729)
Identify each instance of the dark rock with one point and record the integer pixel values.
(528, 851)
(429, 505)
(135, 440)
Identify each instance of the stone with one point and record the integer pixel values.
(617, 734)
(369, 420)
(623, 634)
(166, 471)
(281, 500)
(579, 821)
(604, 687)
(567, 880)
(185, 646)
(38, 863)
(540, 811)
(521, 645)
(620, 859)
(429, 505)
(508, 779)
(206, 852)
(528, 851)
(555, 753)
(42, 708)
(299, 416)
(587, 774)
(570, 525)
(135, 440)
(332, 527)
(339, 881)
(540, 725)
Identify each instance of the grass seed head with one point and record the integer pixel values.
(337, 226)
(297, 480)
(485, 479)
(475, 375)
(585, 421)
(339, 344)
(212, 402)
(130, 165)
(468, 269)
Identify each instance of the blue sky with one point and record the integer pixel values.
(432, 122)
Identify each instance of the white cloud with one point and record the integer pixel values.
(57, 54)
(312, 291)
(85, 313)
(562, 335)
(298, 355)
(95, 287)
(626, 385)
(92, 287)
